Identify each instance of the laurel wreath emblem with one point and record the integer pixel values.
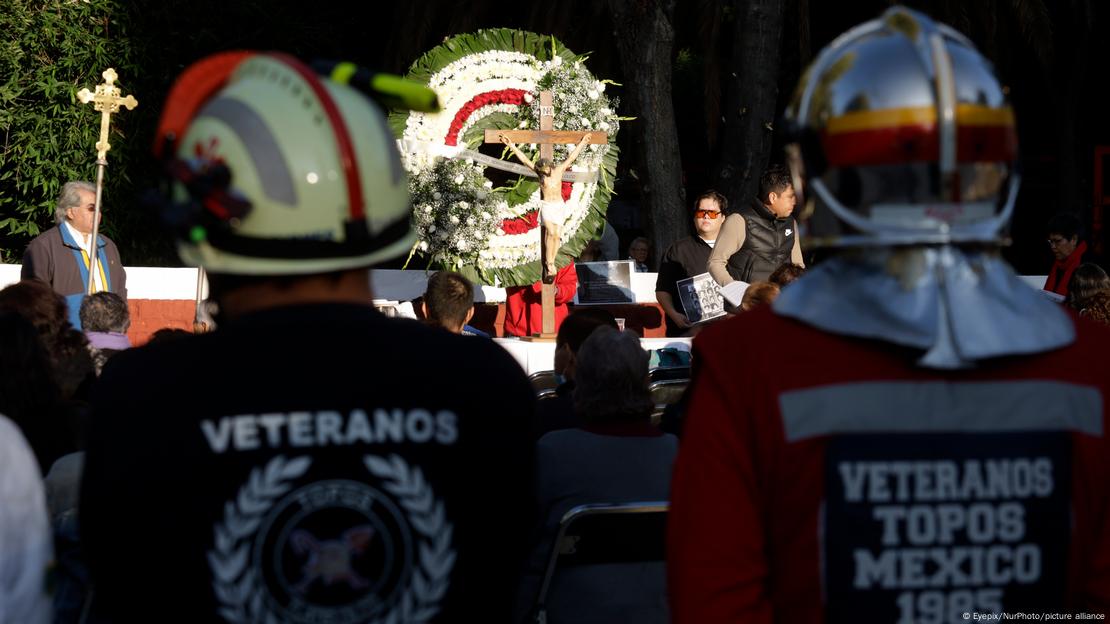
(240, 596)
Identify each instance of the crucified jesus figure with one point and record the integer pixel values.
(552, 208)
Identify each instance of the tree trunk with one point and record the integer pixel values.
(751, 97)
(645, 42)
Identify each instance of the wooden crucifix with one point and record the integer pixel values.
(552, 212)
(107, 100)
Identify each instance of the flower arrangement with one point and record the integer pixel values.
(490, 79)
(454, 211)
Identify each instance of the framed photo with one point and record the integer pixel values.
(701, 298)
(605, 282)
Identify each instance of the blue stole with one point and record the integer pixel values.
(73, 302)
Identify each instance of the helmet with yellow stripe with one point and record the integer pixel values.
(278, 171)
(902, 135)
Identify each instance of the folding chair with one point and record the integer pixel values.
(664, 393)
(543, 380)
(605, 533)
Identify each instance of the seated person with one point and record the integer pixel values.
(558, 412)
(105, 320)
(617, 456)
(448, 302)
(759, 293)
(1069, 249)
(639, 250)
(786, 274)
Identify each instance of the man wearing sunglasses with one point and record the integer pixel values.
(760, 236)
(60, 255)
(688, 257)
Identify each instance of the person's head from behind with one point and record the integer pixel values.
(776, 191)
(573, 332)
(37, 302)
(448, 301)
(639, 249)
(105, 312)
(1087, 281)
(77, 206)
(709, 211)
(1063, 234)
(280, 178)
(591, 252)
(758, 294)
(611, 384)
(786, 273)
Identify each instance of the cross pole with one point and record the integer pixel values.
(546, 137)
(107, 100)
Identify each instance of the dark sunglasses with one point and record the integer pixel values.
(707, 214)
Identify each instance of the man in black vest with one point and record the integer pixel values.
(759, 237)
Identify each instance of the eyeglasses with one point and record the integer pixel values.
(707, 214)
(1056, 241)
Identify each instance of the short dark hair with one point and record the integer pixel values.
(611, 378)
(1065, 224)
(776, 179)
(577, 327)
(449, 297)
(105, 312)
(722, 201)
(786, 273)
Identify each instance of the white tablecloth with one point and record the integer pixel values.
(534, 356)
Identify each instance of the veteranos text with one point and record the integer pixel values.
(953, 533)
(248, 432)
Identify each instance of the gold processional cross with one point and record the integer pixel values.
(107, 100)
(546, 137)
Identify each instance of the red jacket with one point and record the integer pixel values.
(524, 308)
(823, 478)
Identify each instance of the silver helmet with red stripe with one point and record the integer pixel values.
(281, 171)
(902, 135)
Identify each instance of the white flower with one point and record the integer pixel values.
(481, 195)
(486, 214)
(488, 184)
(462, 246)
(437, 195)
(604, 125)
(585, 122)
(454, 220)
(463, 205)
(423, 245)
(523, 124)
(459, 179)
(469, 161)
(432, 228)
(470, 221)
(606, 112)
(500, 232)
(591, 94)
(528, 98)
(557, 61)
(600, 86)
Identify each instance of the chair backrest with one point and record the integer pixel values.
(667, 392)
(547, 393)
(543, 380)
(605, 533)
(668, 373)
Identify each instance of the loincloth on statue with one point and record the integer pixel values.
(553, 212)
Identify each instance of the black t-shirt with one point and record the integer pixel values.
(310, 464)
(685, 257)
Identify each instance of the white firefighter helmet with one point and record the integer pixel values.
(283, 172)
(903, 135)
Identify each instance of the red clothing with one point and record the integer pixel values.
(823, 478)
(1060, 275)
(524, 306)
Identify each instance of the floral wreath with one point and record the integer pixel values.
(490, 79)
